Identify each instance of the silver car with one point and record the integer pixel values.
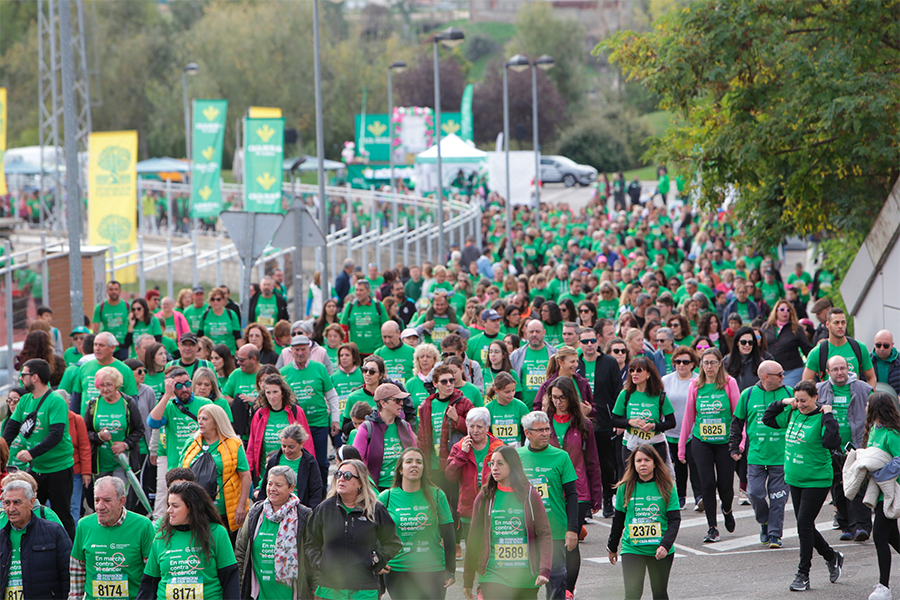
(559, 169)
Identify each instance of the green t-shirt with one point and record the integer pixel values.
(84, 381)
(282, 462)
(548, 470)
(221, 328)
(417, 392)
(713, 420)
(418, 526)
(365, 321)
(191, 368)
(194, 316)
(53, 411)
(113, 418)
(807, 464)
(575, 298)
(553, 334)
(240, 383)
(477, 348)
(278, 420)
(607, 309)
(560, 428)
(157, 383)
(534, 372)
(506, 421)
(264, 562)
(845, 350)
(840, 405)
(771, 292)
(112, 318)
(178, 429)
(743, 311)
(480, 455)
(646, 519)
(887, 440)
(471, 392)
(391, 452)
(438, 332)
(310, 386)
(185, 572)
(113, 556)
(170, 333)
(641, 406)
(344, 383)
(765, 445)
(71, 356)
(438, 408)
(508, 560)
(802, 284)
(213, 450)
(266, 313)
(489, 375)
(398, 362)
(140, 328)
(14, 589)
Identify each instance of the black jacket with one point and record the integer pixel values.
(342, 288)
(406, 310)
(280, 303)
(348, 549)
(786, 346)
(309, 478)
(45, 559)
(747, 376)
(134, 432)
(607, 385)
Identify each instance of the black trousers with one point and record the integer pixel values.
(682, 470)
(852, 514)
(412, 585)
(56, 488)
(573, 557)
(634, 568)
(609, 473)
(716, 469)
(807, 504)
(886, 536)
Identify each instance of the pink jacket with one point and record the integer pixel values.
(181, 324)
(258, 433)
(690, 411)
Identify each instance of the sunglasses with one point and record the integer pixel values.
(446, 381)
(589, 341)
(345, 475)
(783, 309)
(370, 371)
(745, 342)
(584, 310)
(216, 299)
(682, 361)
(636, 370)
(619, 351)
(780, 374)
(181, 386)
(141, 371)
(880, 345)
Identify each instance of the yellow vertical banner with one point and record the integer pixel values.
(3, 190)
(112, 194)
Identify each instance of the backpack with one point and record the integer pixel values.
(662, 401)
(823, 356)
(102, 304)
(205, 474)
(374, 301)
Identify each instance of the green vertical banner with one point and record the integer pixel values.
(263, 164)
(208, 141)
(466, 117)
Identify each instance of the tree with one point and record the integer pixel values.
(415, 87)
(487, 105)
(795, 104)
(610, 141)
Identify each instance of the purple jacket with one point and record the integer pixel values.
(370, 441)
(584, 389)
(583, 452)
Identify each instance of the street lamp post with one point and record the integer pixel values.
(517, 63)
(545, 63)
(450, 37)
(191, 69)
(398, 66)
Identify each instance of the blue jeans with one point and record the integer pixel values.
(556, 588)
(77, 489)
(792, 377)
(320, 442)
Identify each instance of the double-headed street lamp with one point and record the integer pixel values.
(399, 66)
(450, 37)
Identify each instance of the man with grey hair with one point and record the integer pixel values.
(40, 545)
(111, 546)
(143, 341)
(83, 390)
(267, 307)
(552, 474)
(665, 343)
(316, 352)
(530, 361)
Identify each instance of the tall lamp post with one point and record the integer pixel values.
(191, 69)
(517, 63)
(544, 63)
(399, 66)
(450, 37)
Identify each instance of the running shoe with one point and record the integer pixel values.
(834, 523)
(846, 536)
(835, 566)
(764, 534)
(881, 593)
(712, 536)
(608, 511)
(743, 498)
(582, 534)
(861, 535)
(800, 583)
(681, 503)
(775, 542)
(570, 595)
(729, 521)
(589, 520)
(698, 505)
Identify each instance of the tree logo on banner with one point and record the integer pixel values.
(450, 126)
(114, 159)
(210, 112)
(116, 229)
(265, 133)
(266, 180)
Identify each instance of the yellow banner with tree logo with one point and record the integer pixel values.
(112, 194)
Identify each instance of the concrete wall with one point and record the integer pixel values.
(880, 309)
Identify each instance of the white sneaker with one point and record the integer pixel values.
(880, 593)
(743, 498)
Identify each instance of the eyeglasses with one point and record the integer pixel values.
(541, 430)
(24, 374)
(682, 361)
(298, 332)
(589, 341)
(556, 398)
(745, 342)
(370, 371)
(636, 370)
(182, 386)
(240, 359)
(345, 475)
(662, 340)
(710, 363)
(446, 381)
(880, 345)
(619, 351)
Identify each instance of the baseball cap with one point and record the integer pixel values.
(188, 336)
(199, 290)
(80, 329)
(300, 340)
(409, 332)
(388, 390)
(489, 315)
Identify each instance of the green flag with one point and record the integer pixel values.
(208, 138)
(466, 116)
(263, 164)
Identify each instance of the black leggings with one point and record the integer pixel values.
(634, 566)
(606, 454)
(573, 557)
(886, 536)
(682, 470)
(414, 585)
(807, 504)
(716, 469)
(498, 591)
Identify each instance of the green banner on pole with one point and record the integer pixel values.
(208, 140)
(466, 132)
(263, 164)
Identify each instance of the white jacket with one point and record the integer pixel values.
(858, 468)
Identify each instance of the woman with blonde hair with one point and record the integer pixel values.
(350, 536)
(183, 299)
(206, 385)
(420, 386)
(216, 444)
(471, 312)
(786, 341)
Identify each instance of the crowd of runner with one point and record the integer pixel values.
(474, 411)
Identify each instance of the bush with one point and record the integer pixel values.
(612, 141)
(480, 46)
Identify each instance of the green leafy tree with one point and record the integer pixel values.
(796, 104)
(116, 229)
(611, 141)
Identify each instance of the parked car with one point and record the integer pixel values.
(559, 169)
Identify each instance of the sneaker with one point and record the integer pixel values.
(800, 583)
(712, 536)
(861, 535)
(698, 505)
(729, 521)
(834, 523)
(570, 595)
(608, 511)
(458, 551)
(774, 542)
(681, 503)
(846, 536)
(764, 534)
(479, 597)
(589, 521)
(582, 534)
(881, 593)
(743, 498)
(835, 565)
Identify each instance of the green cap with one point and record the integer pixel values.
(80, 329)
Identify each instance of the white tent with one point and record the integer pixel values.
(456, 156)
